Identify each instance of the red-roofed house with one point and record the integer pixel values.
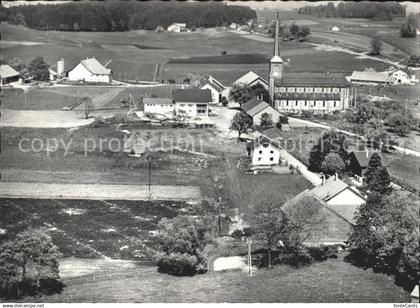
(90, 70)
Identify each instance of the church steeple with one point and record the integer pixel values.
(276, 38)
(276, 65)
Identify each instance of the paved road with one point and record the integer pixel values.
(97, 191)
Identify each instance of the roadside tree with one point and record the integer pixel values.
(241, 122)
(38, 69)
(375, 46)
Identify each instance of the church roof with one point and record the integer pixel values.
(308, 96)
(309, 79)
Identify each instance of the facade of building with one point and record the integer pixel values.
(252, 79)
(159, 106)
(371, 78)
(177, 27)
(192, 102)
(8, 74)
(263, 152)
(257, 108)
(216, 88)
(90, 70)
(318, 92)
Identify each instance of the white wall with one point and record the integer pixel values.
(275, 115)
(167, 110)
(81, 73)
(189, 108)
(262, 155)
(347, 197)
(214, 93)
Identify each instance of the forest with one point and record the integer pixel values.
(123, 16)
(350, 9)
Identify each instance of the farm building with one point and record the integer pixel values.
(359, 161)
(216, 88)
(258, 109)
(177, 27)
(252, 79)
(160, 106)
(318, 92)
(338, 224)
(8, 74)
(371, 78)
(339, 196)
(90, 70)
(401, 77)
(53, 74)
(263, 152)
(192, 102)
(233, 26)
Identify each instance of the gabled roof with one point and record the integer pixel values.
(263, 139)
(309, 79)
(6, 71)
(95, 67)
(158, 101)
(217, 82)
(363, 157)
(332, 187)
(249, 78)
(254, 106)
(212, 83)
(309, 96)
(272, 133)
(192, 95)
(369, 76)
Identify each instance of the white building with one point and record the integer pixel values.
(335, 28)
(371, 78)
(252, 79)
(8, 74)
(90, 70)
(401, 77)
(216, 88)
(192, 102)
(257, 109)
(159, 106)
(177, 27)
(233, 26)
(263, 152)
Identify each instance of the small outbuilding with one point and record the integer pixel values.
(259, 110)
(8, 74)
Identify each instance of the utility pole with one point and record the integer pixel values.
(78, 98)
(24, 94)
(150, 193)
(249, 242)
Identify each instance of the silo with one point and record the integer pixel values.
(60, 67)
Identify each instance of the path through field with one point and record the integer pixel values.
(102, 100)
(97, 191)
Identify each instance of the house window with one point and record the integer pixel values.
(260, 152)
(271, 152)
(271, 158)
(287, 103)
(259, 158)
(265, 145)
(296, 103)
(323, 103)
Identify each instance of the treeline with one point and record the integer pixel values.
(364, 9)
(124, 16)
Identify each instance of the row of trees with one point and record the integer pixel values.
(118, 16)
(364, 9)
(290, 32)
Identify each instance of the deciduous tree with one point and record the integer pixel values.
(333, 164)
(38, 69)
(375, 46)
(241, 122)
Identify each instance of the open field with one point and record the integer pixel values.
(134, 54)
(93, 228)
(328, 281)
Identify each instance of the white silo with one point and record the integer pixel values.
(60, 67)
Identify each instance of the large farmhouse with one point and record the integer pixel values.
(319, 92)
(90, 70)
(192, 102)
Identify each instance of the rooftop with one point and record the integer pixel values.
(95, 67)
(192, 95)
(309, 79)
(157, 101)
(253, 106)
(249, 77)
(330, 188)
(363, 157)
(370, 76)
(6, 71)
(308, 96)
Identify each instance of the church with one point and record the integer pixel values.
(317, 92)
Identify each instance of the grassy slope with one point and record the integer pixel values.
(329, 281)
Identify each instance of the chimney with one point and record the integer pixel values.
(335, 176)
(323, 179)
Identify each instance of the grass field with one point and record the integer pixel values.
(92, 228)
(332, 281)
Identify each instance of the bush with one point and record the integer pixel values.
(177, 264)
(237, 234)
(278, 125)
(172, 81)
(295, 256)
(28, 287)
(323, 252)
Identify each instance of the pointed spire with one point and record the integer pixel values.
(276, 38)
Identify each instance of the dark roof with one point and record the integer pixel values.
(309, 96)
(363, 157)
(309, 79)
(157, 100)
(263, 139)
(192, 95)
(272, 133)
(252, 103)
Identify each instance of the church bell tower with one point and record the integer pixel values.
(276, 64)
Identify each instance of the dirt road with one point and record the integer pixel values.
(97, 191)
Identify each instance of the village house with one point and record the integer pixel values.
(359, 161)
(216, 88)
(371, 78)
(318, 92)
(252, 79)
(177, 27)
(401, 77)
(233, 26)
(8, 74)
(90, 70)
(192, 102)
(258, 109)
(159, 106)
(263, 152)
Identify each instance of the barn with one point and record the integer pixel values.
(8, 74)
(90, 70)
